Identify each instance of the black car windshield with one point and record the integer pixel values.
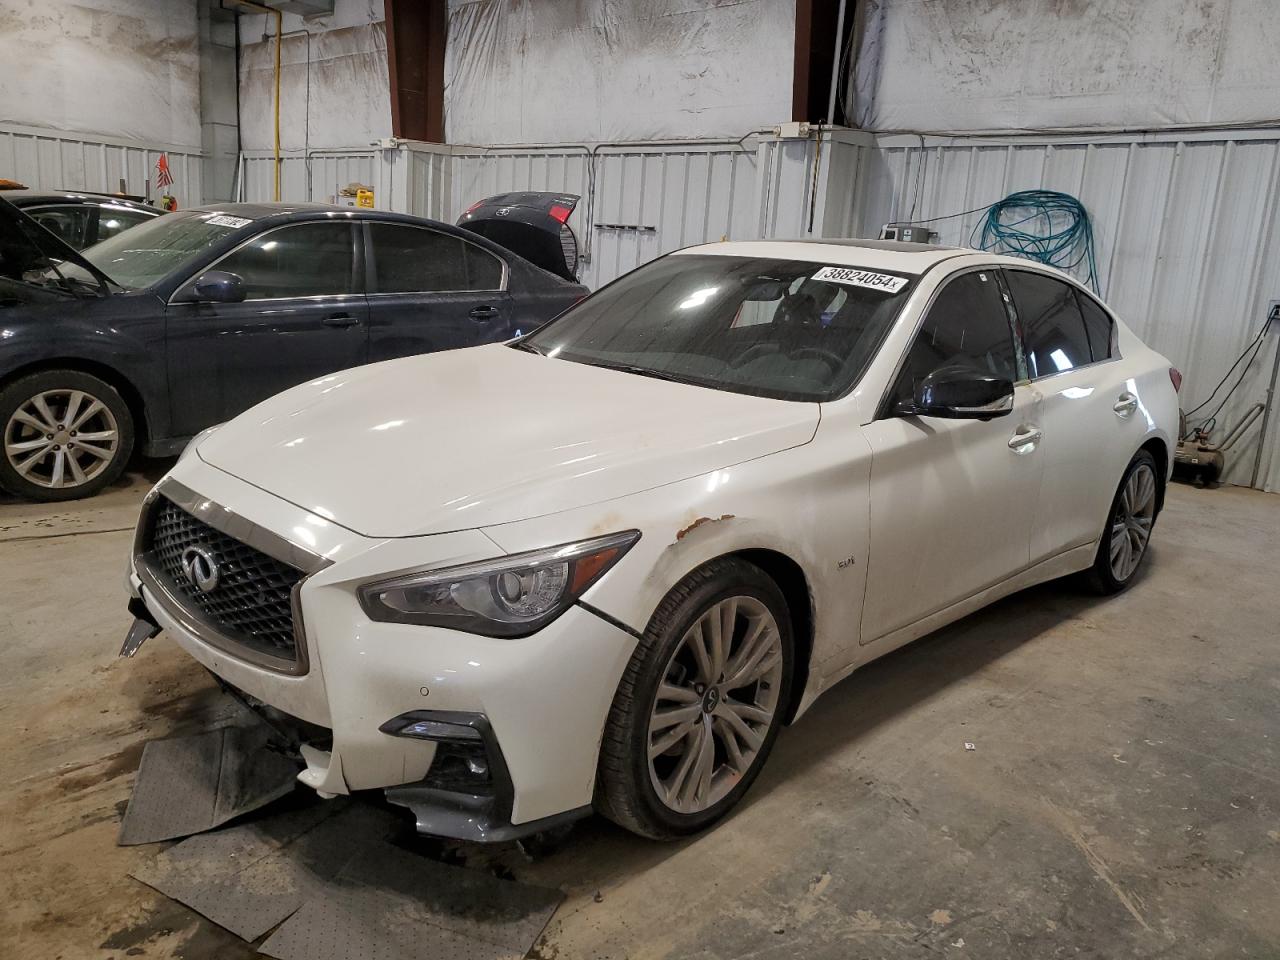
(788, 329)
(149, 252)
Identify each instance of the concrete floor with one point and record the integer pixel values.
(1123, 798)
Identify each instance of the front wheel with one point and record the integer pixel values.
(700, 703)
(1125, 539)
(67, 434)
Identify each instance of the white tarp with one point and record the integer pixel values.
(519, 71)
(122, 68)
(966, 65)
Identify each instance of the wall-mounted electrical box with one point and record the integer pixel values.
(906, 232)
(793, 130)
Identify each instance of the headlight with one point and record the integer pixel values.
(511, 596)
(194, 441)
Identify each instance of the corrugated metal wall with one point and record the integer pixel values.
(48, 160)
(1186, 230)
(328, 171)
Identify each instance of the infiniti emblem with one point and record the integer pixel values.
(201, 568)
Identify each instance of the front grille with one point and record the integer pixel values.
(252, 602)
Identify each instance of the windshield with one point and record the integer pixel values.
(789, 329)
(149, 252)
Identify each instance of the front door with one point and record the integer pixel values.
(952, 501)
(431, 290)
(304, 315)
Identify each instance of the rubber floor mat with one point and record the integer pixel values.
(250, 878)
(187, 785)
(389, 904)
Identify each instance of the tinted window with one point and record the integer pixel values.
(113, 220)
(1052, 328)
(1098, 325)
(306, 260)
(418, 260)
(68, 224)
(791, 329)
(151, 251)
(966, 324)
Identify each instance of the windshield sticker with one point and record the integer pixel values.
(861, 278)
(222, 220)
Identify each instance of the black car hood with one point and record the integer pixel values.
(27, 246)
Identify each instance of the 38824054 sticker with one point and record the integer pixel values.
(861, 278)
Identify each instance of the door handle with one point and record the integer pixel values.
(483, 313)
(1125, 404)
(340, 320)
(1025, 440)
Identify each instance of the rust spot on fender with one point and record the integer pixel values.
(680, 535)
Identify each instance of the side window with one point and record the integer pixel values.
(68, 224)
(412, 259)
(1098, 325)
(303, 260)
(112, 221)
(967, 323)
(1052, 327)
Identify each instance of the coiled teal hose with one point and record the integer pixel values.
(1043, 225)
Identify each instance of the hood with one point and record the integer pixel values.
(486, 435)
(27, 246)
(533, 225)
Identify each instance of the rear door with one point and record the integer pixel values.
(304, 315)
(952, 501)
(1092, 420)
(430, 290)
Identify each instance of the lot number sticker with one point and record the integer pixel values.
(222, 220)
(861, 278)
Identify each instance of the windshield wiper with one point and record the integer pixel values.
(527, 347)
(637, 370)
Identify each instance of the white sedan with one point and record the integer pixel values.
(599, 567)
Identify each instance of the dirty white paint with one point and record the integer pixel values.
(607, 70)
(349, 102)
(952, 65)
(121, 68)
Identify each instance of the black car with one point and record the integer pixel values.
(193, 317)
(78, 218)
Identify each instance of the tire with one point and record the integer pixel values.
(43, 457)
(1139, 488)
(761, 647)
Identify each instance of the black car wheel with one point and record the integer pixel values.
(700, 703)
(67, 435)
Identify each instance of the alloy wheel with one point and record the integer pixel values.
(1131, 524)
(715, 704)
(61, 438)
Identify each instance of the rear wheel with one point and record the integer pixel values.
(700, 703)
(1127, 535)
(67, 434)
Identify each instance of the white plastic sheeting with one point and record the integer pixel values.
(342, 97)
(1187, 231)
(519, 71)
(128, 68)
(967, 65)
(58, 161)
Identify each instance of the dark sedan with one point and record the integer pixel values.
(78, 218)
(186, 320)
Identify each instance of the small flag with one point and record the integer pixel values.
(163, 177)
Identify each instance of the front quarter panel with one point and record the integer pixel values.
(808, 504)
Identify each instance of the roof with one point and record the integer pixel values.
(27, 197)
(256, 211)
(869, 254)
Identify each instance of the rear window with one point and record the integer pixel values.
(1052, 328)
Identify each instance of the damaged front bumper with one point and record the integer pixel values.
(483, 739)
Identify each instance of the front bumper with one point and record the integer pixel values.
(542, 700)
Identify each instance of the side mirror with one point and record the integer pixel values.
(219, 286)
(962, 391)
